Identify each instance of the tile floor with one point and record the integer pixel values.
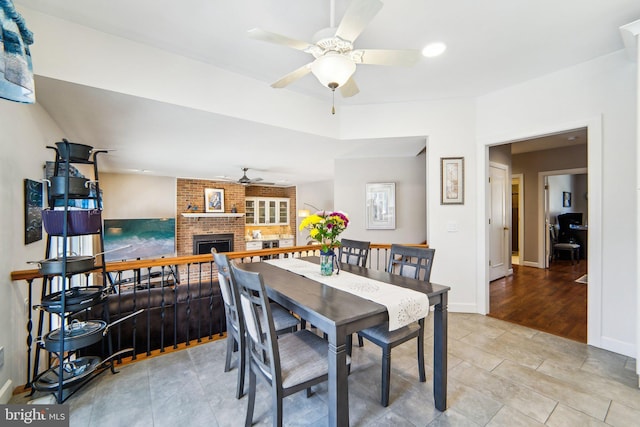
(500, 374)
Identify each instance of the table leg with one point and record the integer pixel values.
(440, 353)
(338, 387)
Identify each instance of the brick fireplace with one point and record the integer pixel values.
(190, 192)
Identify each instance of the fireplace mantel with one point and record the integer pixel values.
(212, 215)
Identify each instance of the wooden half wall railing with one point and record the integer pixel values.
(180, 297)
(115, 266)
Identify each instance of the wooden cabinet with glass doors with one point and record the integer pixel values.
(266, 211)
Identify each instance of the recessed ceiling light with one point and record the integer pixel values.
(434, 49)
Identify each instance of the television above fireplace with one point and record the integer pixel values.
(140, 238)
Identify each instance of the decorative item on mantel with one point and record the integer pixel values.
(325, 227)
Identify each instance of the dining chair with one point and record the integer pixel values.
(290, 363)
(354, 252)
(414, 262)
(284, 321)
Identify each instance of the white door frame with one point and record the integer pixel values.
(543, 232)
(595, 166)
(520, 178)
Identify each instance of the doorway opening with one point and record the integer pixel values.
(530, 216)
(566, 212)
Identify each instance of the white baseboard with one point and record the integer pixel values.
(617, 346)
(463, 308)
(6, 392)
(510, 272)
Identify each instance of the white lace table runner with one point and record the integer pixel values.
(404, 305)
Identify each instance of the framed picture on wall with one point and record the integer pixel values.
(452, 180)
(214, 200)
(566, 199)
(381, 206)
(32, 211)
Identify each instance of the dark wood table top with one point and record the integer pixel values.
(330, 308)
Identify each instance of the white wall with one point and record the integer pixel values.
(409, 175)
(26, 130)
(120, 65)
(598, 94)
(449, 127)
(128, 196)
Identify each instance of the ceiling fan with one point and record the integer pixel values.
(245, 180)
(335, 57)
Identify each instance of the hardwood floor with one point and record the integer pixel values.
(548, 300)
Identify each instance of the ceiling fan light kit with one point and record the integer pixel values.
(333, 68)
(335, 58)
(434, 49)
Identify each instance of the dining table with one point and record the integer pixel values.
(339, 314)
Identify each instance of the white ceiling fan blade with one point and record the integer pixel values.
(349, 89)
(267, 36)
(358, 15)
(292, 76)
(401, 57)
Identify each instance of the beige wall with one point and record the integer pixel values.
(501, 154)
(129, 196)
(530, 165)
(409, 176)
(25, 131)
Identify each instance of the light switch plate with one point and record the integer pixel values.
(452, 226)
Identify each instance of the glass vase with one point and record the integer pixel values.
(326, 263)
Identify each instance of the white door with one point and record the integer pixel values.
(498, 225)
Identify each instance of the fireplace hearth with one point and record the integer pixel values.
(203, 243)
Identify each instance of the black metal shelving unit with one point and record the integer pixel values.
(67, 368)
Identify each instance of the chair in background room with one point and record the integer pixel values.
(414, 262)
(557, 247)
(289, 364)
(286, 322)
(565, 221)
